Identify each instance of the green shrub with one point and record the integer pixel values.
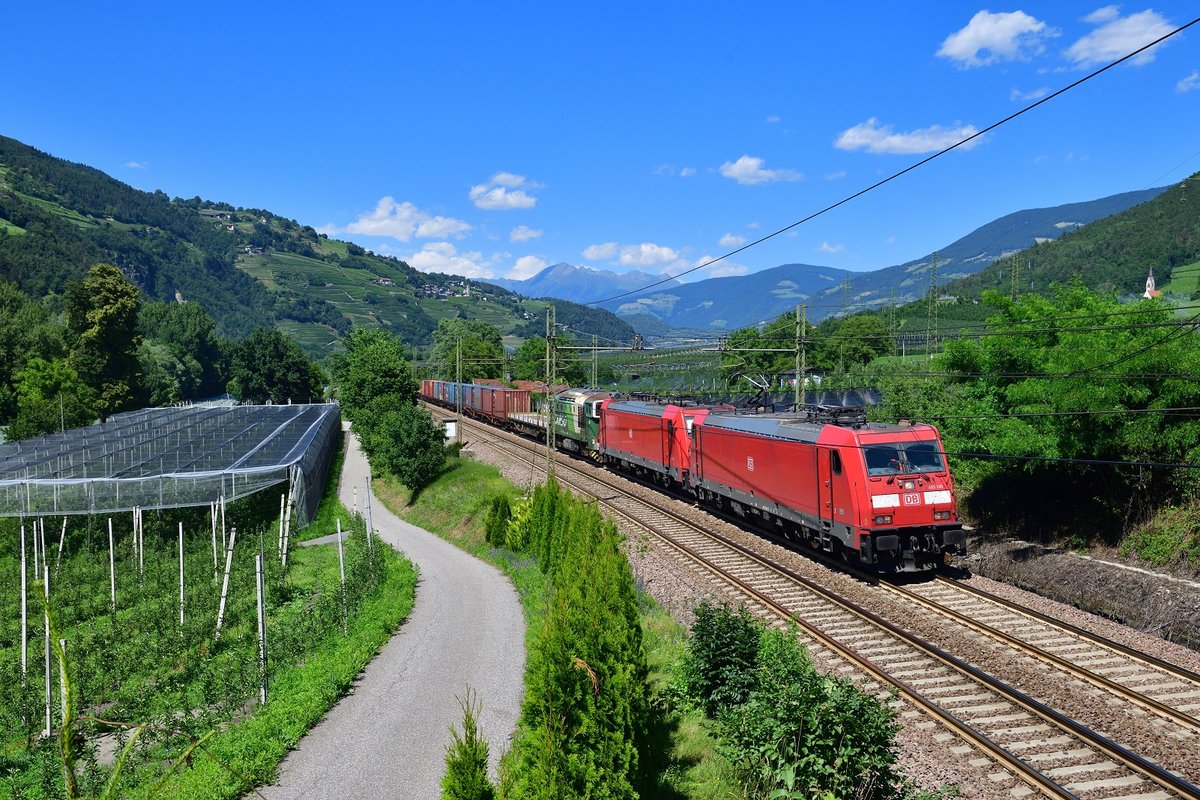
(467, 758)
(719, 668)
(495, 526)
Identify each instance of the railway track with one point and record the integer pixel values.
(1025, 745)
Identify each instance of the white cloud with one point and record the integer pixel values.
(523, 233)
(526, 267)
(730, 240)
(137, 164)
(501, 193)
(772, 119)
(876, 138)
(508, 179)
(826, 247)
(443, 257)
(989, 38)
(403, 221)
(1117, 36)
(749, 171)
(665, 169)
(835, 176)
(890, 240)
(1189, 83)
(1017, 96)
(600, 252)
(687, 172)
(647, 254)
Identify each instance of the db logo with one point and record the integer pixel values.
(750, 463)
(630, 433)
(912, 499)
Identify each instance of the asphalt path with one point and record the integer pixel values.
(389, 737)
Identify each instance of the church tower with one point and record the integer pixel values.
(1150, 290)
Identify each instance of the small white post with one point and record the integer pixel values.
(34, 533)
(216, 565)
(225, 582)
(223, 521)
(355, 512)
(342, 572)
(141, 544)
(46, 614)
(24, 611)
(282, 503)
(112, 570)
(62, 680)
(61, 538)
(181, 574)
(262, 630)
(287, 530)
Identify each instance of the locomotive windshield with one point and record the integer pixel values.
(896, 458)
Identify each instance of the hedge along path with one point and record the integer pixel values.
(467, 628)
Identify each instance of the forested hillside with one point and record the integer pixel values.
(246, 267)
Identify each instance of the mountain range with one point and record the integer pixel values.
(733, 302)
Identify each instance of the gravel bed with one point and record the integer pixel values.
(926, 760)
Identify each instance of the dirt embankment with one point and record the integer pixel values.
(1102, 583)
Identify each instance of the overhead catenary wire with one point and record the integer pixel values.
(907, 169)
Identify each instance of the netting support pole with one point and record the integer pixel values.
(342, 572)
(225, 582)
(46, 614)
(112, 573)
(61, 539)
(262, 629)
(181, 574)
(24, 611)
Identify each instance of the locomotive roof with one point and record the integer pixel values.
(648, 408)
(793, 427)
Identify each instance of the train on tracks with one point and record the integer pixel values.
(880, 497)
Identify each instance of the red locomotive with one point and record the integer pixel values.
(879, 496)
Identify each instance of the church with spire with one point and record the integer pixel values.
(1150, 290)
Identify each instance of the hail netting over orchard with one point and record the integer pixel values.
(170, 458)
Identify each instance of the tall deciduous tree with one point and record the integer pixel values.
(375, 364)
(268, 366)
(103, 310)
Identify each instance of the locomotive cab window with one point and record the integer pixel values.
(882, 459)
(924, 457)
(835, 462)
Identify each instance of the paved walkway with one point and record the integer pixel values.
(389, 738)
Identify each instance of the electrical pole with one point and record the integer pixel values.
(595, 380)
(801, 352)
(932, 309)
(551, 411)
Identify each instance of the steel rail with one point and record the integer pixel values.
(1083, 673)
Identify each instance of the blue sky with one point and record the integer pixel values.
(491, 140)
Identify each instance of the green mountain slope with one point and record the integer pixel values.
(1112, 254)
(247, 267)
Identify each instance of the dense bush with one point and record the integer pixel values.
(789, 731)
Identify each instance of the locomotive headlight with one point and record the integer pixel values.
(909, 485)
(941, 515)
(883, 519)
